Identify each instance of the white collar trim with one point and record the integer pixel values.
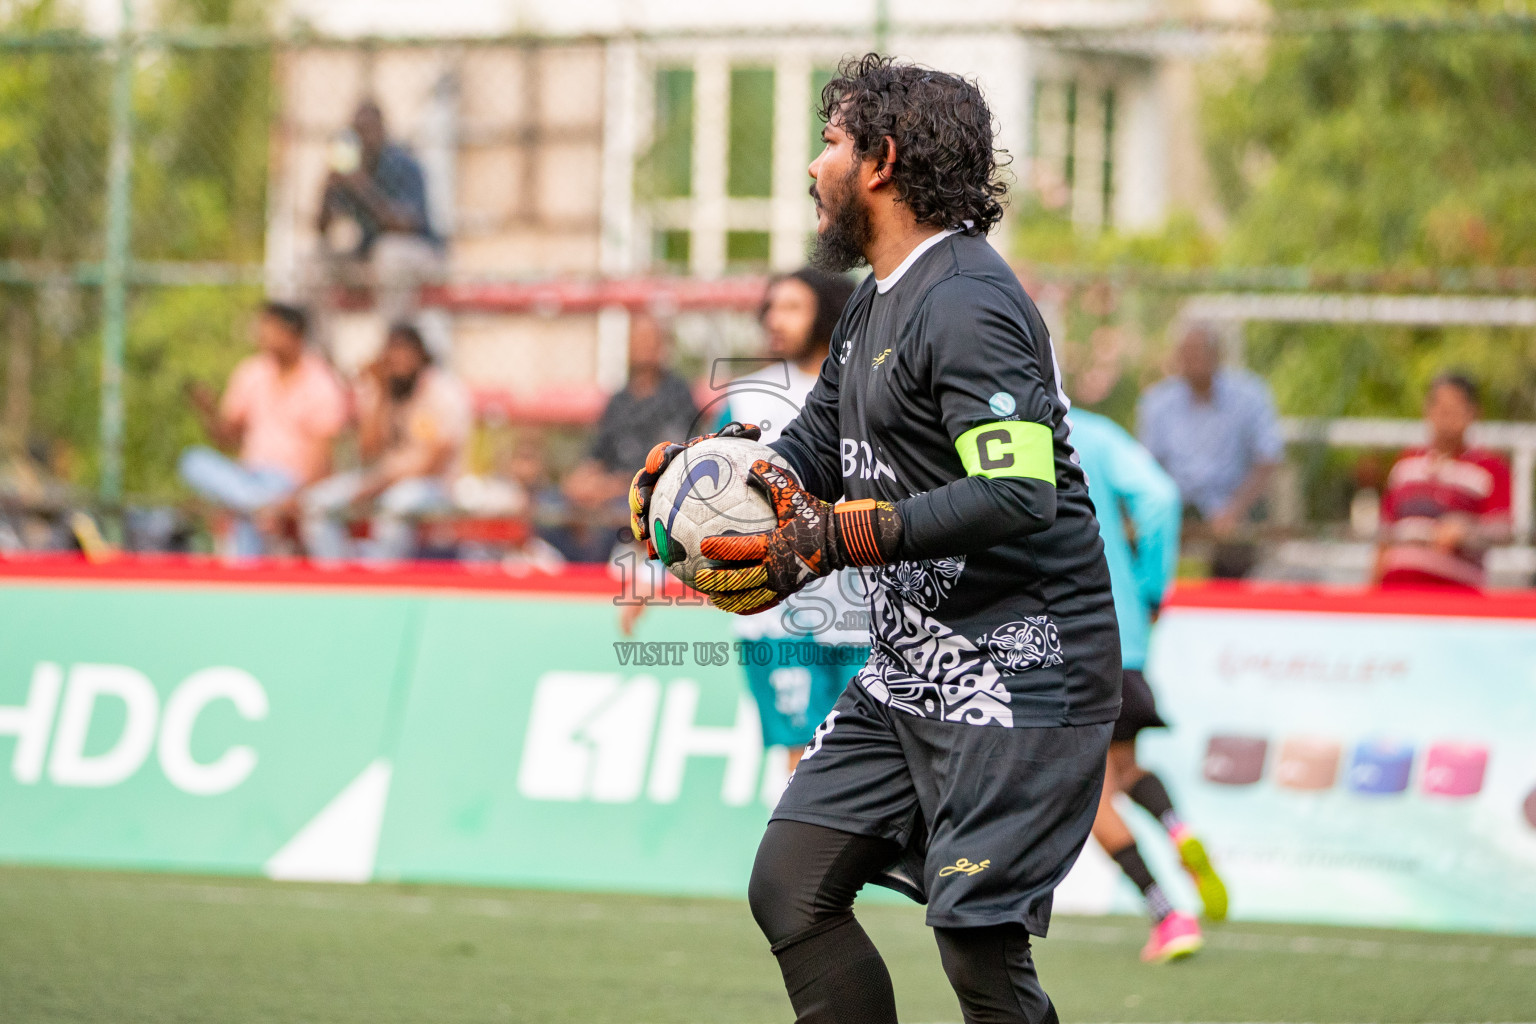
(885, 284)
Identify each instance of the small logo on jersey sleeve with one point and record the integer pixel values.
(1002, 404)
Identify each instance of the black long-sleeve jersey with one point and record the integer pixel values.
(941, 394)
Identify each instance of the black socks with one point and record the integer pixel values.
(1149, 792)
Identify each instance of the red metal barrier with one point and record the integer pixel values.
(173, 570)
(667, 294)
(597, 580)
(1292, 597)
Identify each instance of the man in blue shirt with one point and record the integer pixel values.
(377, 192)
(384, 193)
(1214, 430)
(1125, 482)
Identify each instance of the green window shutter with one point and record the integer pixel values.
(670, 250)
(749, 160)
(671, 157)
(746, 250)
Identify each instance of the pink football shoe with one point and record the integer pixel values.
(1173, 938)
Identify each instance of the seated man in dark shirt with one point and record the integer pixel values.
(375, 201)
(655, 404)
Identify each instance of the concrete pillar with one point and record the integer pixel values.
(791, 217)
(1141, 154)
(620, 248)
(711, 119)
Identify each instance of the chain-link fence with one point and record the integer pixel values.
(155, 185)
(173, 257)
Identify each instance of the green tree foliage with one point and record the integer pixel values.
(200, 172)
(1110, 308)
(199, 182)
(1389, 149)
(53, 145)
(53, 136)
(200, 178)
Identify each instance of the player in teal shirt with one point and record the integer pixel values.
(1126, 484)
(1122, 473)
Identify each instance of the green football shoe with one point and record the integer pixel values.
(1212, 890)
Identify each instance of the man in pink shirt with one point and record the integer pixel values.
(280, 413)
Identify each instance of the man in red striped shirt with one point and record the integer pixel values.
(1445, 504)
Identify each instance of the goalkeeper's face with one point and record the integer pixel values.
(829, 171)
(843, 227)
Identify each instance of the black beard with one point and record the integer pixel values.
(840, 248)
(401, 388)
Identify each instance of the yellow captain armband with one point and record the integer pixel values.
(1009, 448)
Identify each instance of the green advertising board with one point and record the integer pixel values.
(186, 728)
(530, 755)
(348, 734)
(1343, 767)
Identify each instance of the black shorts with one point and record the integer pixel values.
(991, 818)
(1138, 708)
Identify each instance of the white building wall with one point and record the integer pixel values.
(793, 217)
(1141, 155)
(794, 35)
(1001, 63)
(708, 205)
(565, 203)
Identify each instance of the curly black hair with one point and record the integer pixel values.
(946, 169)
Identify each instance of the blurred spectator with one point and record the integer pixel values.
(798, 315)
(413, 423)
(526, 467)
(377, 186)
(655, 405)
(522, 470)
(584, 533)
(1214, 430)
(36, 499)
(281, 412)
(1445, 504)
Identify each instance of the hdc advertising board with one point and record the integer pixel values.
(1343, 766)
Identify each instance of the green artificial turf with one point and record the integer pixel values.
(80, 946)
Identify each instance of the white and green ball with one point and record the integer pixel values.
(706, 491)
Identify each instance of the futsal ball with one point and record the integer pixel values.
(707, 491)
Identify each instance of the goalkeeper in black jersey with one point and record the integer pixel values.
(964, 763)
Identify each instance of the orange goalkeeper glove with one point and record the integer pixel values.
(813, 538)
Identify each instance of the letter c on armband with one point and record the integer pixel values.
(1009, 448)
